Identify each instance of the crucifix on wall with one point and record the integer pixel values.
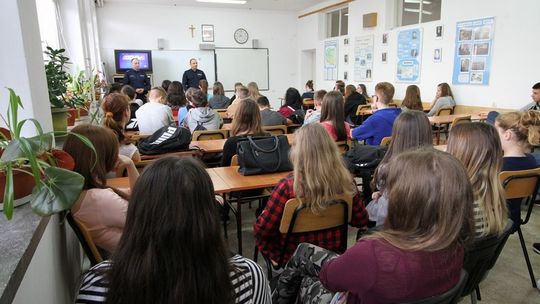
(192, 28)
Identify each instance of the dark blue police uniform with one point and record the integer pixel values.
(137, 79)
(191, 78)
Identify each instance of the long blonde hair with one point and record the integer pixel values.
(254, 93)
(478, 147)
(319, 172)
(526, 126)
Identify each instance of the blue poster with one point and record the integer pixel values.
(409, 54)
(331, 60)
(472, 56)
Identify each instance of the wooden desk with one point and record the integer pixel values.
(227, 126)
(447, 119)
(216, 145)
(440, 147)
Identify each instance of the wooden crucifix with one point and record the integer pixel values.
(192, 28)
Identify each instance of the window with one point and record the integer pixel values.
(47, 24)
(337, 23)
(418, 11)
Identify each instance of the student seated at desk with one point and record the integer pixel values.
(412, 100)
(518, 131)
(293, 103)
(308, 94)
(269, 117)
(247, 123)
(201, 117)
(443, 99)
(319, 174)
(176, 99)
(241, 93)
(253, 89)
(353, 100)
(174, 251)
(117, 114)
(219, 100)
(154, 114)
(379, 124)
(332, 117)
(418, 254)
(314, 115)
(102, 209)
(478, 147)
(535, 104)
(134, 105)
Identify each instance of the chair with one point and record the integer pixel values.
(385, 142)
(392, 105)
(522, 185)
(85, 239)
(445, 111)
(297, 218)
(361, 112)
(451, 296)
(460, 120)
(276, 130)
(343, 146)
(209, 135)
(480, 258)
(443, 128)
(308, 103)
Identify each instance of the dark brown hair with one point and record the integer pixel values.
(198, 98)
(218, 89)
(412, 100)
(309, 84)
(349, 89)
(332, 110)
(129, 91)
(114, 107)
(445, 89)
(247, 119)
(175, 95)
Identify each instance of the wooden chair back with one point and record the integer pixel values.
(209, 135)
(520, 184)
(385, 141)
(460, 120)
(392, 105)
(308, 102)
(85, 239)
(234, 160)
(444, 111)
(361, 108)
(276, 130)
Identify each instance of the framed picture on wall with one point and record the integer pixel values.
(385, 38)
(437, 55)
(384, 57)
(438, 32)
(207, 33)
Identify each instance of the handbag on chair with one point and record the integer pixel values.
(263, 154)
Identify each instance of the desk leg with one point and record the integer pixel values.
(239, 223)
(438, 133)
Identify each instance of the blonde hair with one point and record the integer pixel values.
(158, 94)
(254, 91)
(526, 126)
(478, 147)
(319, 172)
(247, 120)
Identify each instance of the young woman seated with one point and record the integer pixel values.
(332, 117)
(443, 99)
(319, 175)
(293, 103)
(412, 100)
(353, 99)
(418, 253)
(482, 161)
(174, 251)
(101, 208)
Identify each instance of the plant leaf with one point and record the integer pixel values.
(13, 151)
(8, 192)
(61, 189)
(29, 152)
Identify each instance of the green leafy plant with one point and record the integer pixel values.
(78, 91)
(57, 76)
(56, 189)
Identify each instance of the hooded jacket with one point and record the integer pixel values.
(205, 116)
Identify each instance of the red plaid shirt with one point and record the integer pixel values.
(270, 241)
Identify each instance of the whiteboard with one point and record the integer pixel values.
(242, 65)
(171, 64)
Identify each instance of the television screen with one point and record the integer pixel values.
(123, 59)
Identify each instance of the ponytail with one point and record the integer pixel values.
(115, 105)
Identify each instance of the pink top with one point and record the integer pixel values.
(330, 128)
(103, 212)
(286, 111)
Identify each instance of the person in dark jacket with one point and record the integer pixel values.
(352, 100)
(191, 77)
(137, 79)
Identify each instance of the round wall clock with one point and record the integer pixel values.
(241, 36)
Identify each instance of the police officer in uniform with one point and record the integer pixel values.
(192, 76)
(137, 79)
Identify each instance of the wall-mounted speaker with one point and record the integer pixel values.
(255, 43)
(207, 46)
(370, 20)
(161, 44)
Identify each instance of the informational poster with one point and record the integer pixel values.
(472, 56)
(331, 60)
(363, 58)
(409, 53)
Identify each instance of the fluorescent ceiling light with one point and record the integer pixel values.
(417, 1)
(224, 1)
(413, 10)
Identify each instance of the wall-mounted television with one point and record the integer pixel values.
(122, 59)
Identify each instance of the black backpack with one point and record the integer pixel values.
(298, 116)
(165, 140)
(364, 158)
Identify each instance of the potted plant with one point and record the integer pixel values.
(57, 82)
(33, 162)
(77, 95)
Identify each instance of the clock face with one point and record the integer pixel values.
(241, 36)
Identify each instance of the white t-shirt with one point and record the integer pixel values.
(152, 116)
(127, 150)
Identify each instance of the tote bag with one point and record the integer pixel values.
(266, 154)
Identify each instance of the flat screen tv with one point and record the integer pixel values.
(123, 59)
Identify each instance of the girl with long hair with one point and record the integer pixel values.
(117, 115)
(443, 99)
(412, 100)
(332, 117)
(219, 100)
(309, 90)
(101, 208)
(254, 93)
(176, 99)
(482, 161)
(293, 102)
(352, 100)
(319, 175)
(174, 251)
(429, 223)
(362, 90)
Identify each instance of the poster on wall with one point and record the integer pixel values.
(409, 55)
(363, 58)
(472, 56)
(331, 60)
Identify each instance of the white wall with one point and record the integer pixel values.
(138, 26)
(514, 64)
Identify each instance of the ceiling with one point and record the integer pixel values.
(288, 5)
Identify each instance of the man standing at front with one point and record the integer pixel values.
(137, 79)
(192, 76)
(535, 104)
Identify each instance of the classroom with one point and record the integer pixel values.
(399, 199)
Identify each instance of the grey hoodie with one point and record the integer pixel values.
(209, 118)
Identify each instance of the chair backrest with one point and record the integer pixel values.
(450, 296)
(307, 101)
(85, 239)
(460, 120)
(481, 256)
(209, 135)
(521, 184)
(234, 160)
(276, 130)
(343, 146)
(392, 105)
(444, 111)
(385, 141)
(362, 108)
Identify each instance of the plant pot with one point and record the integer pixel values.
(84, 111)
(72, 115)
(22, 187)
(59, 118)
